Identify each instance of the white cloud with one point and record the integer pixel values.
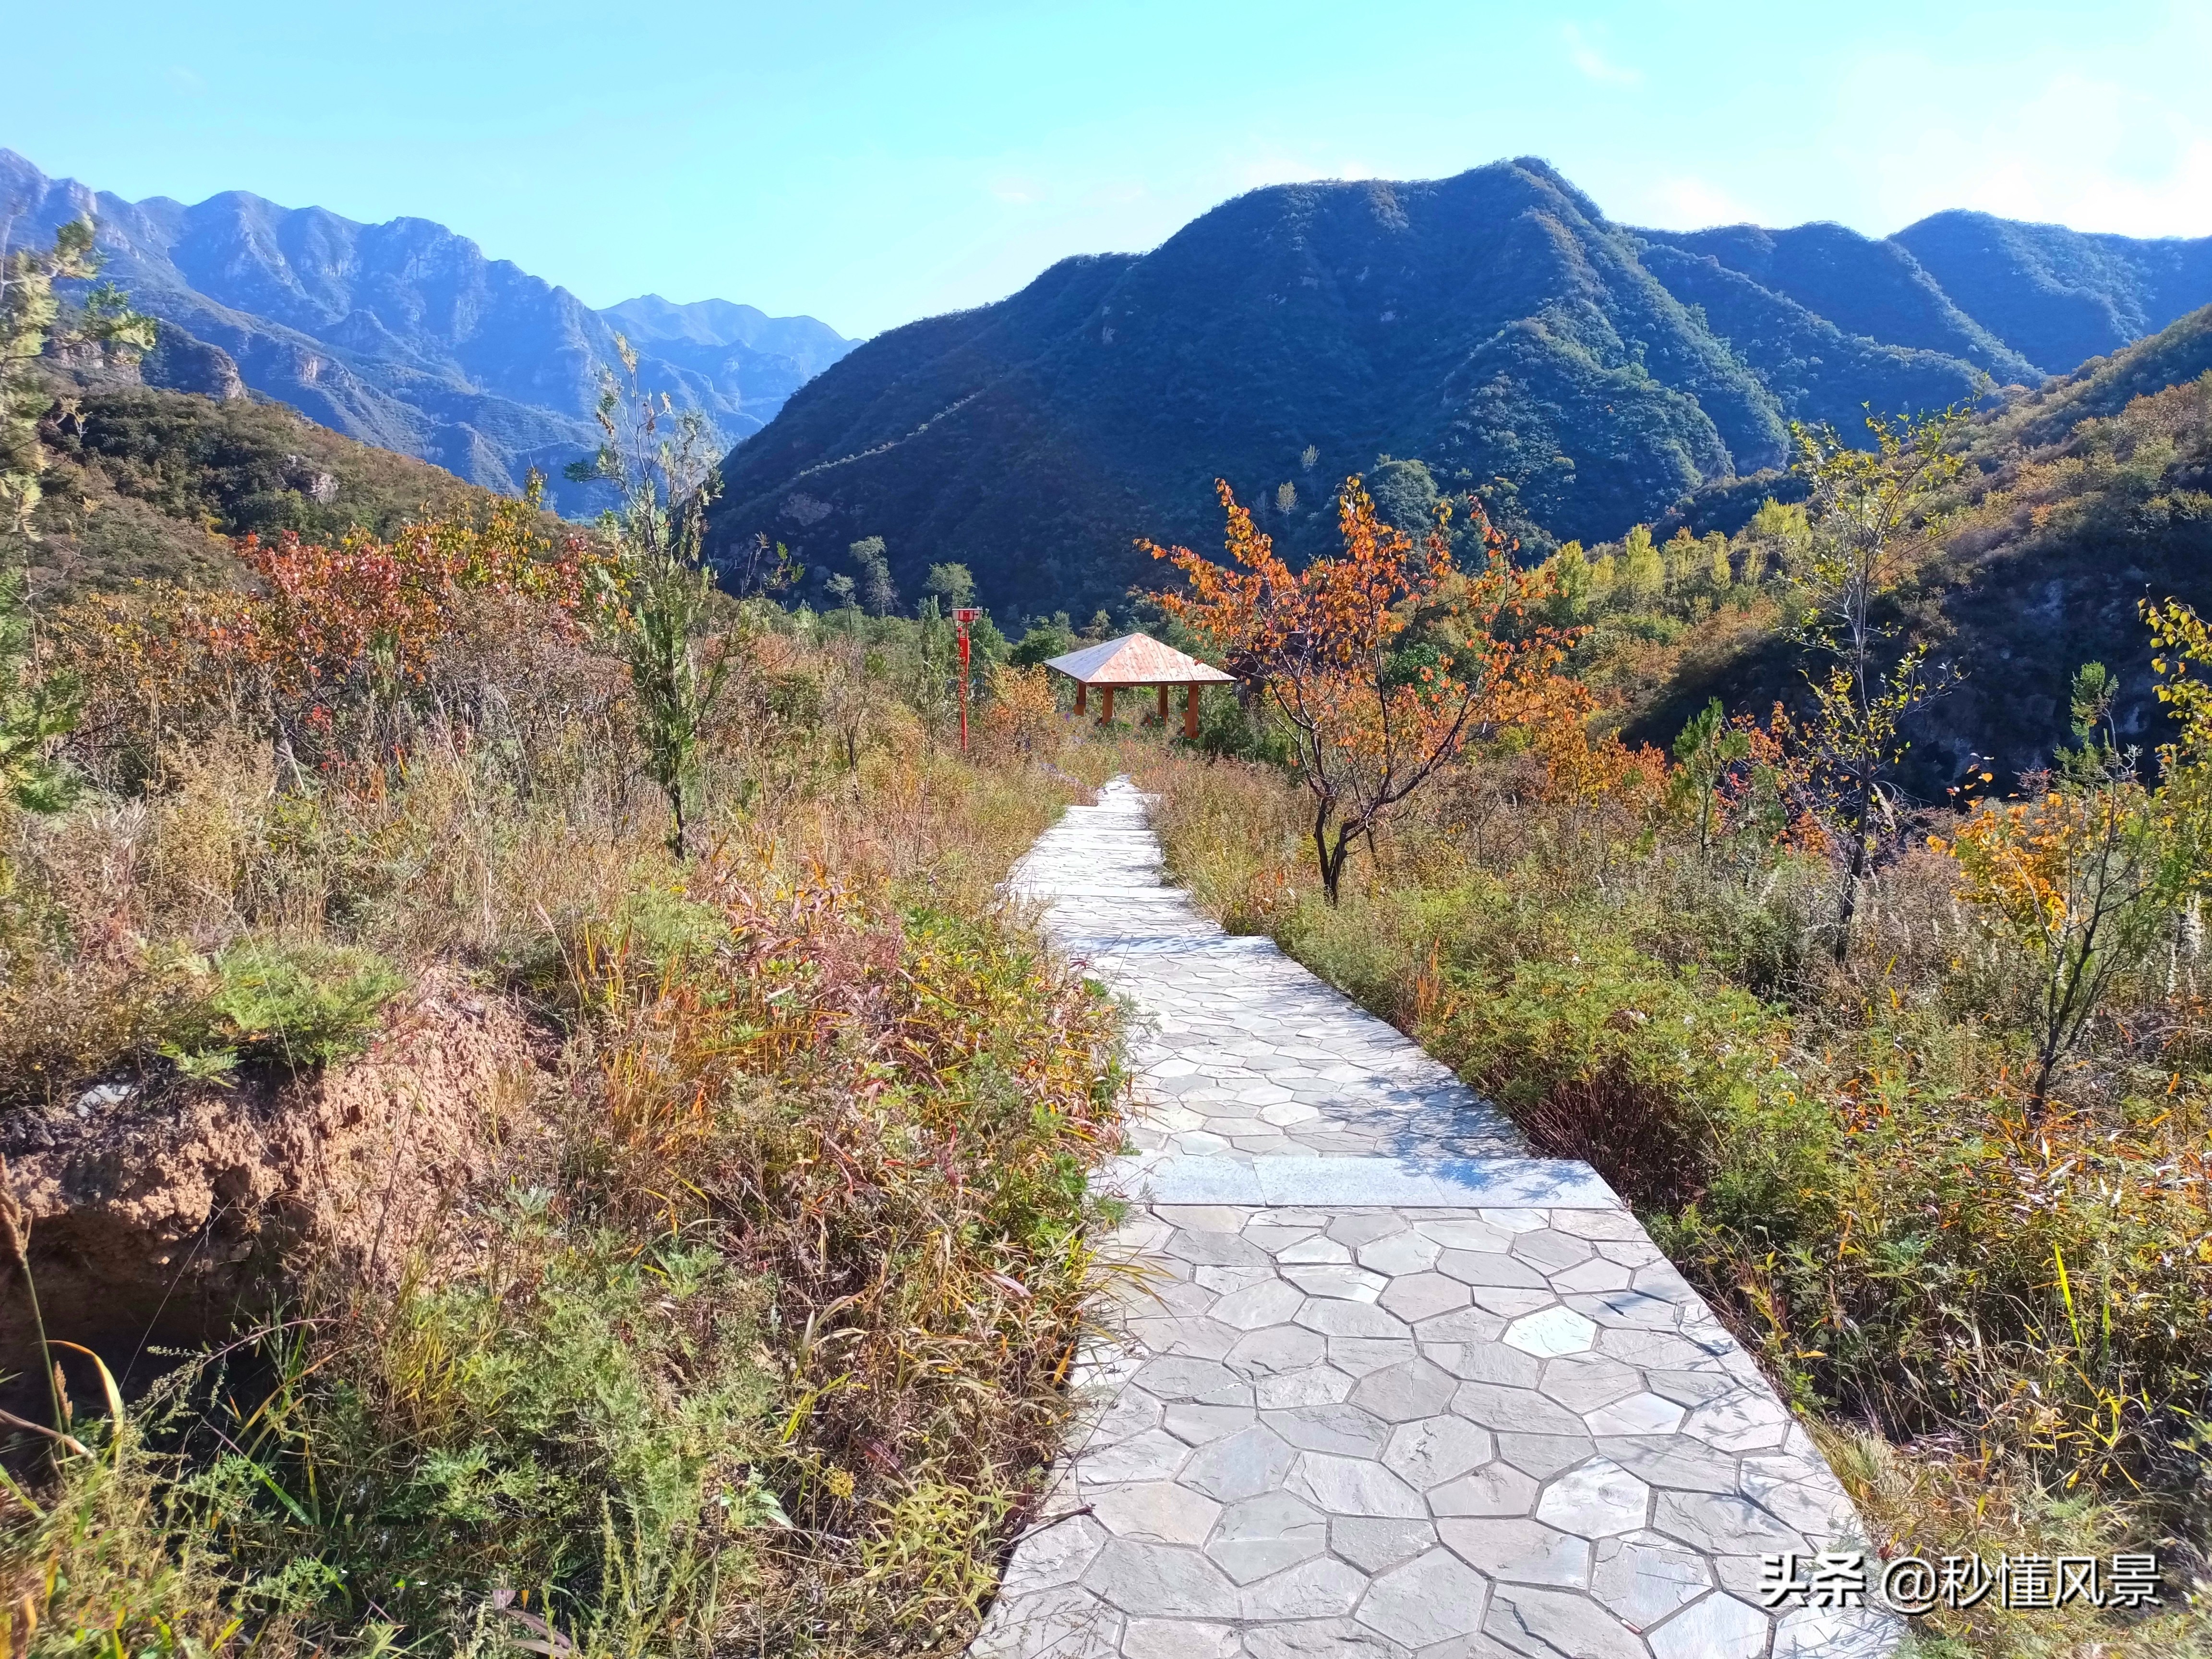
(1585, 57)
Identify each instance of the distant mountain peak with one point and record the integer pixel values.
(405, 336)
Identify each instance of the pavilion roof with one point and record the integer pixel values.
(1137, 660)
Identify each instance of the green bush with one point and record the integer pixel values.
(297, 1004)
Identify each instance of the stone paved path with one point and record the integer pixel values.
(1376, 1383)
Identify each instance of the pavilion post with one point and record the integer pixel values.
(1106, 713)
(1189, 710)
(1082, 697)
(1164, 708)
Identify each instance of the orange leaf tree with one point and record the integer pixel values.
(1385, 659)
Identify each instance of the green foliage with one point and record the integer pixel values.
(952, 586)
(39, 706)
(1868, 515)
(1042, 641)
(31, 323)
(873, 574)
(298, 1004)
(661, 589)
(1705, 752)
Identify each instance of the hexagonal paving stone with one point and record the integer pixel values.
(1596, 1499)
(1519, 1411)
(1318, 1385)
(1402, 1392)
(1718, 1627)
(1430, 1599)
(1372, 1543)
(1490, 1267)
(1320, 1589)
(1317, 1639)
(1417, 1297)
(1056, 1555)
(1552, 1250)
(1554, 1331)
(1158, 1511)
(1722, 1523)
(1242, 1466)
(1161, 1579)
(1644, 1577)
(1178, 1638)
(1510, 1301)
(1155, 1455)
(1354, 1485)
(1744, 1420)
(1265, 1534)
(1352, 1319)
(1315, 1252)
(1068, 1621)
(1398, 1252)
(1549, 1624)
(1519, 1551)
(1639, 1413)
(1431, 1450)
(1332, 1428)
(1464, 1233)
(1345, 1284)
(1494, 1489)
(1206, 1381)
(1278, 1349)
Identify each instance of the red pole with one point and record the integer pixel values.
(962, 617)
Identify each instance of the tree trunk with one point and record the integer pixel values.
(1848, 905)
(1332, 857)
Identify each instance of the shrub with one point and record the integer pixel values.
(298, 1004)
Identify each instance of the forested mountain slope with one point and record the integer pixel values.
(1580, 375)
(2083, 498)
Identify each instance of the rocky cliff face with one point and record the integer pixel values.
(404, 335)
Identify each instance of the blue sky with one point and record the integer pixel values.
(872, 162)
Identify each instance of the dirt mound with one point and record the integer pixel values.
(159, 1217)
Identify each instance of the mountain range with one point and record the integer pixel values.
(1579, 375)
(404, 334)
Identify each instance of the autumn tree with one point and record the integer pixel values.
(1384, 660)
(660, 591)
(1869, 521)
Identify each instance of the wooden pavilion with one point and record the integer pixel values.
(1134, 661)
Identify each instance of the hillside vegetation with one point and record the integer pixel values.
(445, 1211)
(150, 483)
(2080, 500)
